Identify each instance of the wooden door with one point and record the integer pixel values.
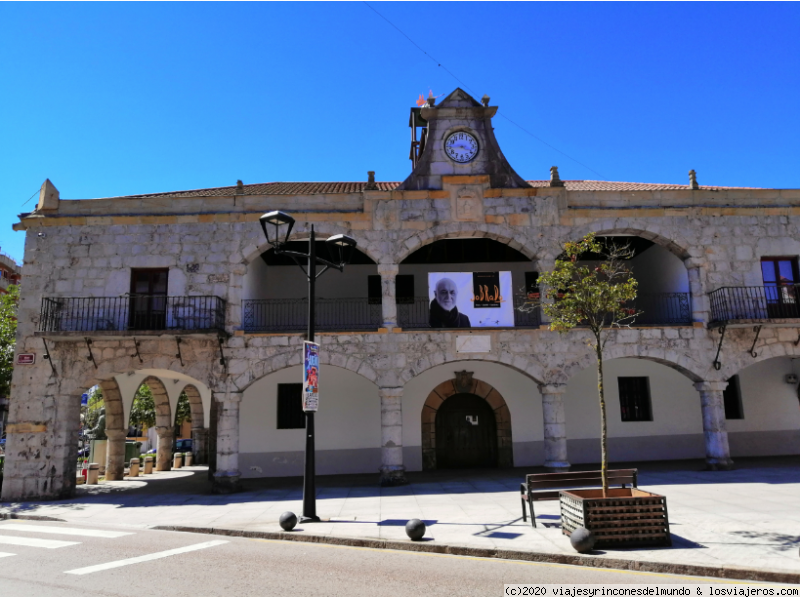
(148, 306)
(466, 433)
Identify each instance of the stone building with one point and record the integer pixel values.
(10, 272)
(181, 290)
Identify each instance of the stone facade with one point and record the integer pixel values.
(209, 239)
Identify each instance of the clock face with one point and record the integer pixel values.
(461, 147)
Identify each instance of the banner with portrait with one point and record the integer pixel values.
(470, 299)
(310, 377)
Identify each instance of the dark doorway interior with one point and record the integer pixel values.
(148, 306)
(466, 433)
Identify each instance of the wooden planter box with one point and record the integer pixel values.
(625, 518)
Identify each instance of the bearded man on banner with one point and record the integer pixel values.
(444, 312)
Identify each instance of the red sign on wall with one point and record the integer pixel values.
(26, 358)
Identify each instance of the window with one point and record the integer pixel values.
(404, 289)
(290, 406)
(732, 396)
(780, 276)
(531, 287)
(634, 398)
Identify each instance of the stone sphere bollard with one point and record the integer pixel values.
(288, 520)
(415, 529)
(582, 540)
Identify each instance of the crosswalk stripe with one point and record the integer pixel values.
(54, 530)
(146, 558)
(5, 555)
(31, 542)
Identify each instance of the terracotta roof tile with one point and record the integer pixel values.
(316, 188)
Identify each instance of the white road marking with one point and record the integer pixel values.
(147, 558)
(5, 555)
(30, 528)
(31, 542)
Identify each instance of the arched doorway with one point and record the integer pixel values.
(466, 433)
(445, 412)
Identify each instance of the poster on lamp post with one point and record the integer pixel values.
(310, 377)
(470, 299)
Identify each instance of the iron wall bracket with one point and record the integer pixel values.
(753, 353)
(717, 364)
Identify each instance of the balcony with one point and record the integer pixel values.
(130, 314)
(662, 309)
(416, 315)
(291, 315)
(745, 305)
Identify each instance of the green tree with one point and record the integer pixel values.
(582, 293)
(182, 413)
(8, 336)
(95, 403)
(143, 409)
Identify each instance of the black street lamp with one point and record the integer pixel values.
(340, 248)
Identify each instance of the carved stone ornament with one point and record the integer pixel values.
(463, 382)
(468, 207)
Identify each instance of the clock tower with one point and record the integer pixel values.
(457, 140)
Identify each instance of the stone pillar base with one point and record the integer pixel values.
(226, 483)
(391, 477)
(557, 466)
(717, 464)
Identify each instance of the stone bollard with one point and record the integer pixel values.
(134, 468)
(94, 473)
(177, 462)
(148, 465)
(188, 458)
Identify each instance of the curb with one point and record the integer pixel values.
(13, 516)
(726, 572)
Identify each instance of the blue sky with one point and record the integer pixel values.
(111, 99)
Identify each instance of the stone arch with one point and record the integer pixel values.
(446, 389)
(684, 364)
(302, 231)
(604, 228)
(501, 233)
(112, 402)
(523, 364)
(160, 401)
(735, 356)
(196, 405)
(292, 358)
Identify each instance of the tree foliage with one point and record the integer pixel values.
(143, 409)
(95, 403)
(184, 410)
(595, 294)
(8, 336)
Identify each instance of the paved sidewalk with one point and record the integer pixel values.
(747, 518)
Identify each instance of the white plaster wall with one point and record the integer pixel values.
(768, 402)
(674, 401)
(349, 415)
(520, 393)
(658, 270)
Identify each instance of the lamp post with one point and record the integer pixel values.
(339, 246)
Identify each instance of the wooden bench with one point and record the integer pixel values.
(545, 486)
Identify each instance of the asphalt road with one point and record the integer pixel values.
(52, 559)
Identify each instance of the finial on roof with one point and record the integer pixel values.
(693, 180)
(371, 185)
(485, 101)
(239, 187)
(555, 181)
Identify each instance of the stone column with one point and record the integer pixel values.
(718, 454)
(115, 454)
(392, 469)
(388, 272)
(227, 476)
(165, 442)
(555, 428)
(199, 444)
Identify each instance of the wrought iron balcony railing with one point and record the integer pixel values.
(662, 309)
(755, 303)
(291, 315)
(132, 313)
(416, 315)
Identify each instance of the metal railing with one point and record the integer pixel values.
(291, 315)
(131, 313)
(416, 315)
(662, 309)
(754, 303)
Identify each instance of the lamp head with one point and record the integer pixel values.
(271, 223)
(341, 246)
